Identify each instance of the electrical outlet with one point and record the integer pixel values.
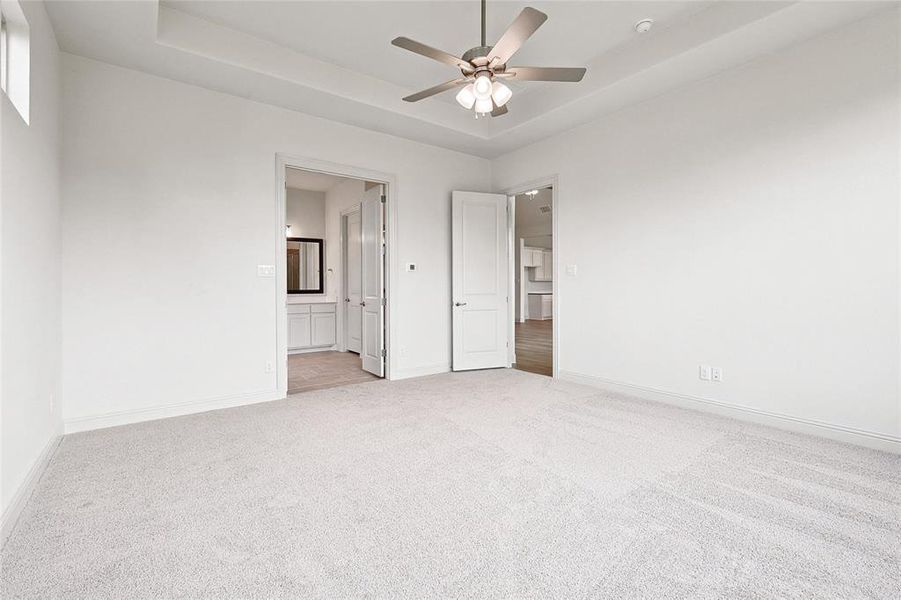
(704, 372)
(269, 366)
(716, 374)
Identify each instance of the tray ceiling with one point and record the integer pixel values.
(334, 60)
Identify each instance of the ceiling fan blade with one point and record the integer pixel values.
(433, 53)
(499, 111)
(435, 90)
(517, 33)
(546, 73)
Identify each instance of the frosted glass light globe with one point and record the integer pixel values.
(482, 87)
(466, 97)
(483, 105)
(500, 93)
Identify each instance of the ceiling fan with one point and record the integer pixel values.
(483, 67)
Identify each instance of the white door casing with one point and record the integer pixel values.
(512, 302)
(353, 283)
(480, 280)
(373, 281)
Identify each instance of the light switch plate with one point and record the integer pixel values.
(572, 270)
(704, 372)
(265, 270)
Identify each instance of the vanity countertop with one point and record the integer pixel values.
(303, 299)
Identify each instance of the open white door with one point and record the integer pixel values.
(372, 222)
(353, 283)
(480, 274)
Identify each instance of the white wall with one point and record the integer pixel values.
(30, 268)
(750, 222)
(162, 306)
(305, 213)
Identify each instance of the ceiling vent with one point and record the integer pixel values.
(546, 209)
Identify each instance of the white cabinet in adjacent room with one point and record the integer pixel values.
(311, 326)
(298, 328)
(531, 257)
(541, 306)
(544, 269)
(322, 325)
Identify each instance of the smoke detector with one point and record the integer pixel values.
(644, 25)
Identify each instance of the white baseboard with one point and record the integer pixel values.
(860, 437)
(421, 371)
(20, 498)
(316, 349)
(125, 417)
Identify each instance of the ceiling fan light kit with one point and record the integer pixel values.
(482, 67)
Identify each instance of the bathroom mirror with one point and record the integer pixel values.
(305, 271)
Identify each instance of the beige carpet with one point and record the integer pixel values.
(480, 485)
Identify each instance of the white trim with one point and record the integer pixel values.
(126, 417)
(512, 290)
(332, 348)
(20, 498)
(554, 182)
(283, 161)
(422, 371)
(860, 437)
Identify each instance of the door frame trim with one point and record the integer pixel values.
(554, 182)
(389, 180)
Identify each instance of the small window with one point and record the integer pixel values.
(15, 50)
(4, 54)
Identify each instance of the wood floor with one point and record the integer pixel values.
(323, 370)
(534, 347)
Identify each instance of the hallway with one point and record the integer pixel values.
(535, 347)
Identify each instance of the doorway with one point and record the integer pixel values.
(534, 279)
(333, 313)
(504, 292)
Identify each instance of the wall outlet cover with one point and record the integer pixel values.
(411, 266)
(716, 374)
(265, 270)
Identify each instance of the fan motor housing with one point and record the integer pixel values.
(477, 56)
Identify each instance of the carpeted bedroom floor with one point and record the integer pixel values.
(485, 484)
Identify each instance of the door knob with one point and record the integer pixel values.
(362, 303)
(347, 299)
(459, 304)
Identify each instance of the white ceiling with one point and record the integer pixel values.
(308, 180)
(450, 26)
(334, 59)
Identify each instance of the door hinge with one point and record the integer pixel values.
(384, 198)
(384, 353)
(384, 302)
